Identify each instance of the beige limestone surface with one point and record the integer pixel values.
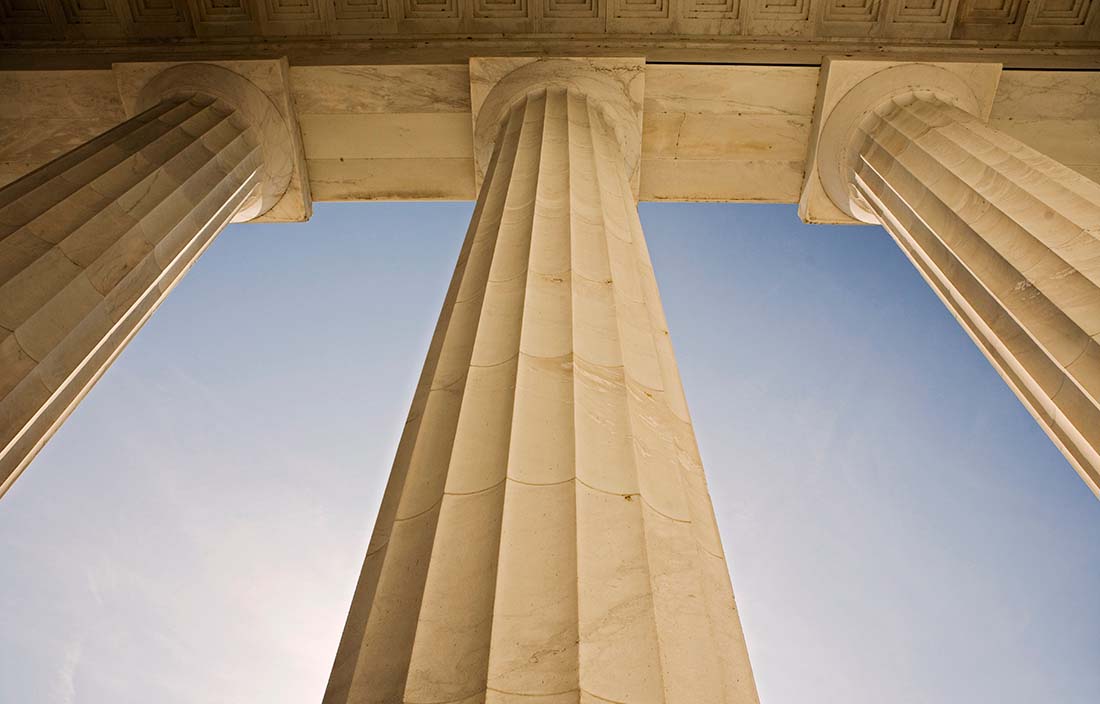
(711, 133)
(386, 132)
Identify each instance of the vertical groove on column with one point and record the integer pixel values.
(702, 651)
(533, 652)
(374, 656)
(91, 243)
(1009, 239)
(619, 646)
(607, 563)
(691, 674)
(451, 653)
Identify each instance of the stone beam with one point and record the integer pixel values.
(710, 133)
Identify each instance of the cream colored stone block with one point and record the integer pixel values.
(547, 316)
(381, 89)
(477, 261)
(624, 270)
(455, 356)
(619, 650)
(1048, 95)
(721, 181)
(1050, 110)
(595, 328)
(604, 444)
(431, 456)
(725, 629)
(656, 459)
(736, 137)
(15, 363)
(29, 289)
(392, 179)
(479, 459)
(16, 409)
(1089, 171)
(88, 242)
(690, 672)
(49, 324)
(383, 659)
(60, 220)
(704, 527)
(500, 323)
(68, 354)
(387, 136)
(731, 89)
(541, 449)
(450, 654)
(118, 259)
(534, 643)
(639, 353)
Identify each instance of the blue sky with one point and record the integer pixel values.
(900, 531)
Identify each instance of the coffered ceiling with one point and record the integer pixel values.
(1020, 33)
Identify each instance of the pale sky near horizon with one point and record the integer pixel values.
(899, 529)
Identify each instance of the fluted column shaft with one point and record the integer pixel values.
(92, 242)
(547, 534)
(1010, 240)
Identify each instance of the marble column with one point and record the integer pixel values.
(92, 242)
(546, 534)
(1007, 237)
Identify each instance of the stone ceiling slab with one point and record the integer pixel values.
(710, 133)
(94, 33)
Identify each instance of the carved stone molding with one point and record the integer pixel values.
(616, 85)
(260, 90)
(849, 90)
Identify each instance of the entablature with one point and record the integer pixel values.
(722, 133)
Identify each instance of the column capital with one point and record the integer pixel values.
(259, 92)
(851, 89)
(616, 85)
